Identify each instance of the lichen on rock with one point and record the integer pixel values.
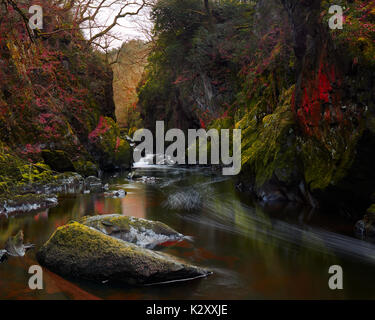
(80, 251)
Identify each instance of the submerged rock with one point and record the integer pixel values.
(184, 200)
(142, 232)
(83, 252)
(147, 180)
(115, 194)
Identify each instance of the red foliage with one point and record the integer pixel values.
(203, 125)
(320, 99)
(102, 128)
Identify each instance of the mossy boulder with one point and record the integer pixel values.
(80, 251)
(58, 160)
(142, 232)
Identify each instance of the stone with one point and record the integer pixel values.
(79, 251)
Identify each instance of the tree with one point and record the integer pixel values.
(96, 19)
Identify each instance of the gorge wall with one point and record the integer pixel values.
(56, 101)
(302, 93)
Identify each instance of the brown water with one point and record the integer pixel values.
(255, 252)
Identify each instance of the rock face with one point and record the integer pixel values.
(144, 233)
(93, 183)
(80, 251)
(86, 168)
(58, 160)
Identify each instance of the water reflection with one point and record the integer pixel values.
(255, 251)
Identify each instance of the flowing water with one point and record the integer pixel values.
(255, 252)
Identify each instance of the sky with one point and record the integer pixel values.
(131, 27)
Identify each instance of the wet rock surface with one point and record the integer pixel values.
(39, 196)
(3, 255)
(26, 203)
(15, 247)
(83, 252)
(365, 228)
(142, 232)
(93, 183)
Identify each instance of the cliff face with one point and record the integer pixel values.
(128, 66)
(55, 92)
(333, 101)
(191, 76)
(302, 94)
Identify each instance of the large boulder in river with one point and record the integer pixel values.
(80, 251)
(142, 232)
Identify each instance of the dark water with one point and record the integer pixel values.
(255, 252)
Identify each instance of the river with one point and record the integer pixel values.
(255, 252)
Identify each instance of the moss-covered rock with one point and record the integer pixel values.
(111, 151)
(142, 232)
(80, 251)
(86, 168)
(58, 160)
(269, 144)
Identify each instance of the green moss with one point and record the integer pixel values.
(85, 241)
(86, 168)
(83, 252)
(116, 151)
(58, 160)
(116, 222)
(268, 144)
(327, 161)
